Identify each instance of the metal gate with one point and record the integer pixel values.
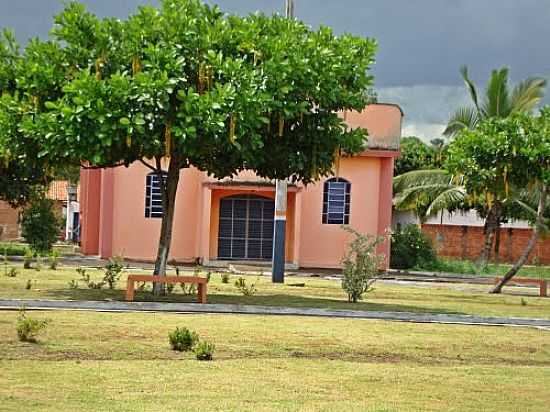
(246, 228)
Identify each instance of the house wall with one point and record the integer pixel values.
(324, 245)
(466, 242)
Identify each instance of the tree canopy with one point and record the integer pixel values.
(187, 85)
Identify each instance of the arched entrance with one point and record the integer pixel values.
(246, 227)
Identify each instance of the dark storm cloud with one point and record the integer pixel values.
(422, 43)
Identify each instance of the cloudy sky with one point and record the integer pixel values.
(422, 43)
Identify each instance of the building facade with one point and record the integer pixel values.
(220, 221)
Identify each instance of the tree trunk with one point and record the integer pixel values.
(497, 242)
(491, 225)
(530, 245)
(169, 190)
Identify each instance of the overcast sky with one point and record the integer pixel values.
(422, 43)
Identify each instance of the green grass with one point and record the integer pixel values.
(317, 293)
(467, 267)
(118, 362)
(19, 249)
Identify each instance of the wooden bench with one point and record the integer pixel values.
(543, 284)
(132, 279)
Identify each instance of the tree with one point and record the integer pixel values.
(415, 155)
(40, 225)
(498, 102)
(185, 85)
(534, 155)
(22, 173)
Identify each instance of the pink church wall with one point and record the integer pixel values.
(113, 204)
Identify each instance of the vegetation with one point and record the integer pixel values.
(330, 361)
(28, 328)
(182, 339)
(417, 155)
(113, 270)
(246, 290)
(53, 259)
(499, 101)
(187, 85)
(361, 264)
(40, 225)
(204, 351)
(410, 247)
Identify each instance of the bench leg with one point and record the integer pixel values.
(130, 291)
(543, 288)
(202, 293)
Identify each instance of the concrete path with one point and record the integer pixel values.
(115, 306)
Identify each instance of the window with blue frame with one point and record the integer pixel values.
(153, 196)
(336, 201)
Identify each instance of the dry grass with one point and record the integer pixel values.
(98, 361)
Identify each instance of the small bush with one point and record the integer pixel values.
(204, 351)
(182, 339)
(225, 277)
(27, 328)
(40, 225)
(246, 290)
(28, 285)
(87, 280)
(361, 264)
(11, 272)
(13, 249)
(113, 270)
(170, 288)
(73, 284)
(410, 247)
(208, 277)
(53, 259)
(27, 259)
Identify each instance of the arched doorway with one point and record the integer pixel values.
(246, 227)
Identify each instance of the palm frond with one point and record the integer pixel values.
(448, 199)
(417, 178)
(470, 86)
(527, 94)
(463, 118)
(497, 99)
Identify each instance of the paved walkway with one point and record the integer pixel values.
(115, 306)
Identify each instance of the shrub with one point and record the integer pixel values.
(14, 249)
(361, 264)
(410, 247)
(204, 351)
(27, 328)
(246, 290)
(28, 285)
(40, 225)
(73, 284)
(27, 259)
(225, 277)
(87, 280)
(182, 339)
(113, 270)
(53, 259)
(11, 272)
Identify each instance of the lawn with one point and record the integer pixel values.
(317, 293)
(99, 361)
(467, 267)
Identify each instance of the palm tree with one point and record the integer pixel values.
(499, 100)
(427, 192)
